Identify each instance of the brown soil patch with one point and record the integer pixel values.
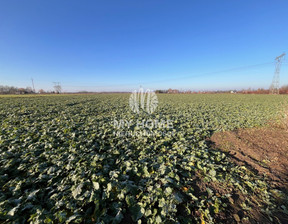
(263, 149)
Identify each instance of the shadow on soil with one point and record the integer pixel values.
(265, 152)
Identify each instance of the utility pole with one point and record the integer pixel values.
(33, 85)
(274, 88)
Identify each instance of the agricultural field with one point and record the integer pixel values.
(91, 159)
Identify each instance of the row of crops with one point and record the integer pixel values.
(61, 162)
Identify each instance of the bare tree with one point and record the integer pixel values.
(41, 91)
(8, 90)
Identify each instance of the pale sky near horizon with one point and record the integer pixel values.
(119, 45)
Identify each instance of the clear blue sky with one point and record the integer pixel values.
(120, 45)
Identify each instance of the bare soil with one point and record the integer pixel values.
(263, 150)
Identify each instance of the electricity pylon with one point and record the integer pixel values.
(274, 88)
(33, 85)
(57, 87)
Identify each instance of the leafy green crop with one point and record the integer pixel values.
(60, 161)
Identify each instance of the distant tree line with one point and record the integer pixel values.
(29, 90)
(15, 90)
(282, 90)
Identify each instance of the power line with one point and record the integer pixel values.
(186, 77)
